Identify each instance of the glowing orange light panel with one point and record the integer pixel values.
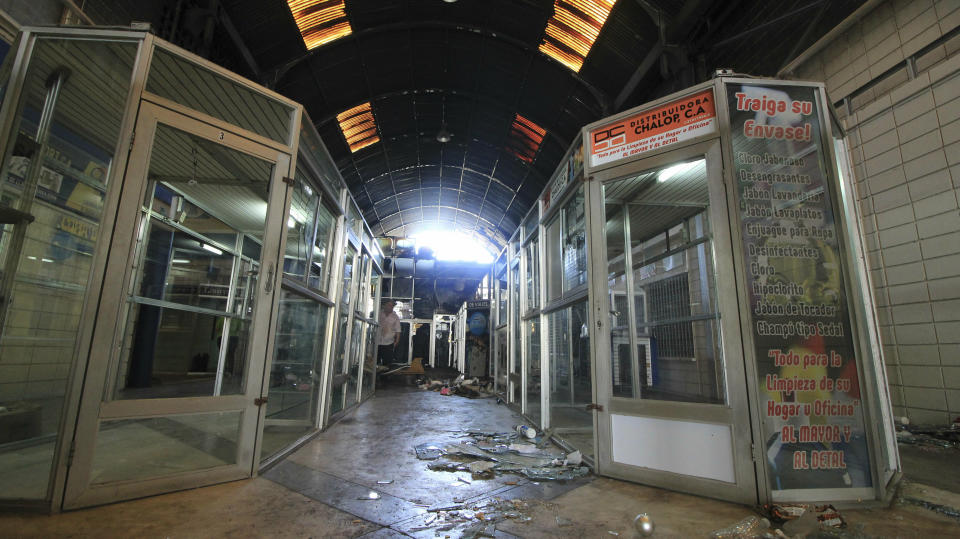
(320, 21)
(573, 28)
(525, 138)
(358, 126)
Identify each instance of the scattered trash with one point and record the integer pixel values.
(463, 480)
(942, 509)
(611, 532)
(450, 382)
(481, 466)
(829, 517)
(370, 496)
(752, 526)
(528, 432)
(554, 473)
(385, 482)
(784, 512)
(428, 451)
(564, 522)
(643, 524)
(946, 436)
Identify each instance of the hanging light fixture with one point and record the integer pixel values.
(443, 135)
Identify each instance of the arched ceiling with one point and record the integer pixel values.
(473, 66)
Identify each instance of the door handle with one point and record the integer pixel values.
(268, 286)
(594, 406)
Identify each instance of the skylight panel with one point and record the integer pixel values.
(525, 138)
(358, 127)
(320, 21)
(572, 30)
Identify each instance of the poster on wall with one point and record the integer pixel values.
(810, 403)
(654, 129)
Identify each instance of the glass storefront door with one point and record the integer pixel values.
(670, 368)
(184, 316)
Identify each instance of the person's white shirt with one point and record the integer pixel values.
(389, 328)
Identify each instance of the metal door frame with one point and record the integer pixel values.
(113, 307)
(736, 413)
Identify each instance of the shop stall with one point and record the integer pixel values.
(188, 290)
(693, 309)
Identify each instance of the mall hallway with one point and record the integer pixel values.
(315, 491)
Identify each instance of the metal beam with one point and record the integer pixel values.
(231, 30)
(670, 32)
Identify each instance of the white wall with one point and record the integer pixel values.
(904, 135)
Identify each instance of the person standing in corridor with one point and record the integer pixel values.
(389, 333)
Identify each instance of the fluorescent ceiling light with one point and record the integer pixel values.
(525, 138)
(211, 248)
(180, 261)
(358, 126)
(320, 21)
(573, 28)
(676, 170)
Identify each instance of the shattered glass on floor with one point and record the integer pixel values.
(484, 454)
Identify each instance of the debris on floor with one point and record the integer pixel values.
(485, 454)
(947, 436)
(643, 524)
(475, 519)
(451, 382)
(752, 526)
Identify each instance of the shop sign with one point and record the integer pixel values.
(654, 129)
(809, 387)
(570, 170)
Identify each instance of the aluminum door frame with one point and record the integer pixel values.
(736, 413)
(108, 334)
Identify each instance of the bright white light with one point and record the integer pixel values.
(46, 260)
(211, 248)
(32, 257)
(291, 222)
(670, 172)
(449, 245)
(180, 261)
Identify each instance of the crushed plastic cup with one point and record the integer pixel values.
(528, 432)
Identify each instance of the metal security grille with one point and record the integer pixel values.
(669, 302)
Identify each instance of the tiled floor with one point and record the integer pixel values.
(315, 492)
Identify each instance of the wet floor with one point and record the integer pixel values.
(317, 491)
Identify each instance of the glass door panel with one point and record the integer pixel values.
(179, 408)
(669, 418)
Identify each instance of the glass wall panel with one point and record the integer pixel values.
(55, 175)
(571, 389)
(515, 330)
(143, 448)
(312, 149)
(574, 243)
(300, 227)
(532, 277)
(294, 389)
(322, 245)
(353, 361)
(369, 362)
(348, 273)
(199, 88)
(532, 328)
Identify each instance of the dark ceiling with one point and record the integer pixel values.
(472, 66)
